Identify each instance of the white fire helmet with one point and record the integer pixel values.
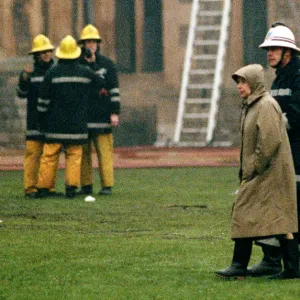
(280, 36)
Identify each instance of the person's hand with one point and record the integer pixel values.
(114, 120)
(286, 121)
(27, 72)
(90, 59)
(104, 92)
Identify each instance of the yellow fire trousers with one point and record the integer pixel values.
(103, 144)
(33, 153)
(49, 165)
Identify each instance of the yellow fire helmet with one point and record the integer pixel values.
(41, 43)
(68, 48)
(89, 32)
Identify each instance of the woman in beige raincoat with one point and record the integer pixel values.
(265, 204)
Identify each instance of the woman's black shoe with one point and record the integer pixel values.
(235, 271)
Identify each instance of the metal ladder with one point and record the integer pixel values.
(202, 73)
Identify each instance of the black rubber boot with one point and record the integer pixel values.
(241, 256)
(55, 194)
(86, 190)
(270, 264)
(31, 195)
(42, 193)
(290, 254)
(71, 191)
(106, 191)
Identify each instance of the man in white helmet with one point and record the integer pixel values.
(282, 55)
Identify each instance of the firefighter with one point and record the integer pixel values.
(29, 84)
(103, 114)
(282, 56)
(62, 108)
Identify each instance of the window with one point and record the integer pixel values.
(152, 36)
(254, 30)
(125, 35)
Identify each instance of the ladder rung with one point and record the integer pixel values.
(205, 57)
(208, 27)
(194, 130)
(202, 72)
(206, 42)
(194, 86)
(193, 144)
(210, 13)
(196, 116)
(198, 101)
(222, 144)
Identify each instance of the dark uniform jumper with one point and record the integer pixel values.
(29, 89)
(108, 103)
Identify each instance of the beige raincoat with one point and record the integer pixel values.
(265, 204)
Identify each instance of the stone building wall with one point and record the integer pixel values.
(21, 20)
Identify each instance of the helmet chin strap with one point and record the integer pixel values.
(279, 64)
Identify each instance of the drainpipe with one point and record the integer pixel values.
(88, 16)
(75, 18)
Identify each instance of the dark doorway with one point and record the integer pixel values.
(152, 36)
(125, 35)
(254, 30)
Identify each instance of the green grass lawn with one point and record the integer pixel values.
(152, 239)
